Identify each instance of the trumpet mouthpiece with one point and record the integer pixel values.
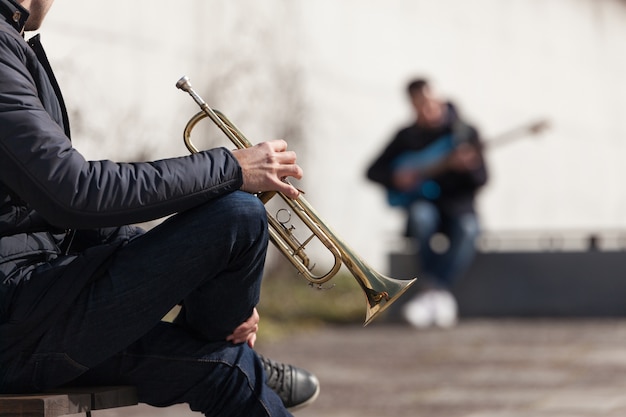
(183, 83)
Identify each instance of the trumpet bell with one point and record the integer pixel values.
(384, 292)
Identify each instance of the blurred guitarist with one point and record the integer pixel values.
(433, 169)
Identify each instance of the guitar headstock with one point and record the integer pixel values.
(539, 126)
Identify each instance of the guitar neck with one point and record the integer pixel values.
(531, 129)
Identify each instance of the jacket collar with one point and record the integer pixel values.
(14, 14)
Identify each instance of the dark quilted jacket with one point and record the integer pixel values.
(49, 193)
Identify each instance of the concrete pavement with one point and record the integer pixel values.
(481, 368)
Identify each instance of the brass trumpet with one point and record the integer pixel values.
(380, 291)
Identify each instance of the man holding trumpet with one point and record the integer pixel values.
(82, 291)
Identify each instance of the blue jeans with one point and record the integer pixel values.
(425, 220)
(211, 259)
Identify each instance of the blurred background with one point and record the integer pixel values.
(329, 77)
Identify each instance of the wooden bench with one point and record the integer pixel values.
(67, 401)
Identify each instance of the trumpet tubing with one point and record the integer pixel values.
(380, 291)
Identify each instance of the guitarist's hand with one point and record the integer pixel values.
(405, 179)
(464, 158)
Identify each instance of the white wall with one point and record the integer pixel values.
(341, 67)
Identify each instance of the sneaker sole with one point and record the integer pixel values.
(310, 400)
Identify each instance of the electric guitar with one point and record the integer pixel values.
(432, 157)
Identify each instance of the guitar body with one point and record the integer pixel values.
(426, 158)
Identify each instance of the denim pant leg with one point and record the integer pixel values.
(210, 257)
(461, 232)
(170, 366)
(424, 221)
(213, 258)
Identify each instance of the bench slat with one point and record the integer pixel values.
(44, 405)
(66, 401)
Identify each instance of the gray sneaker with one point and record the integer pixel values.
(295, 386)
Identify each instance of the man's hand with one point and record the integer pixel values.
(464, 158)
(406, 179)
(246, 331)
(265, 167)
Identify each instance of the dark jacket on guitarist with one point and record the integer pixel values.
(454, 190)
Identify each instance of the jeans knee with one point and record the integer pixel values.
(423, 220)
(423, 212)
(246, 208)
(248, 215)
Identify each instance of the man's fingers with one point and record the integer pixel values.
(292, 170)
(278, 145)
(246, 331)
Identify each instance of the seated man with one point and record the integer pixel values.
(433, 169)
(83, 291)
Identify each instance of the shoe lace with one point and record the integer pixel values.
(276, 373)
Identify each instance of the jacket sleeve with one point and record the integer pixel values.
(39, 164)
(380, 171)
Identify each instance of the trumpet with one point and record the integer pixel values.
(380, 291)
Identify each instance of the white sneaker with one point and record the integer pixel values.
(445, 309)
(420, 311)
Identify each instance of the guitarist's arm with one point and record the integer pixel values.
(381, 170)
(467, 164)
(465, 158)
